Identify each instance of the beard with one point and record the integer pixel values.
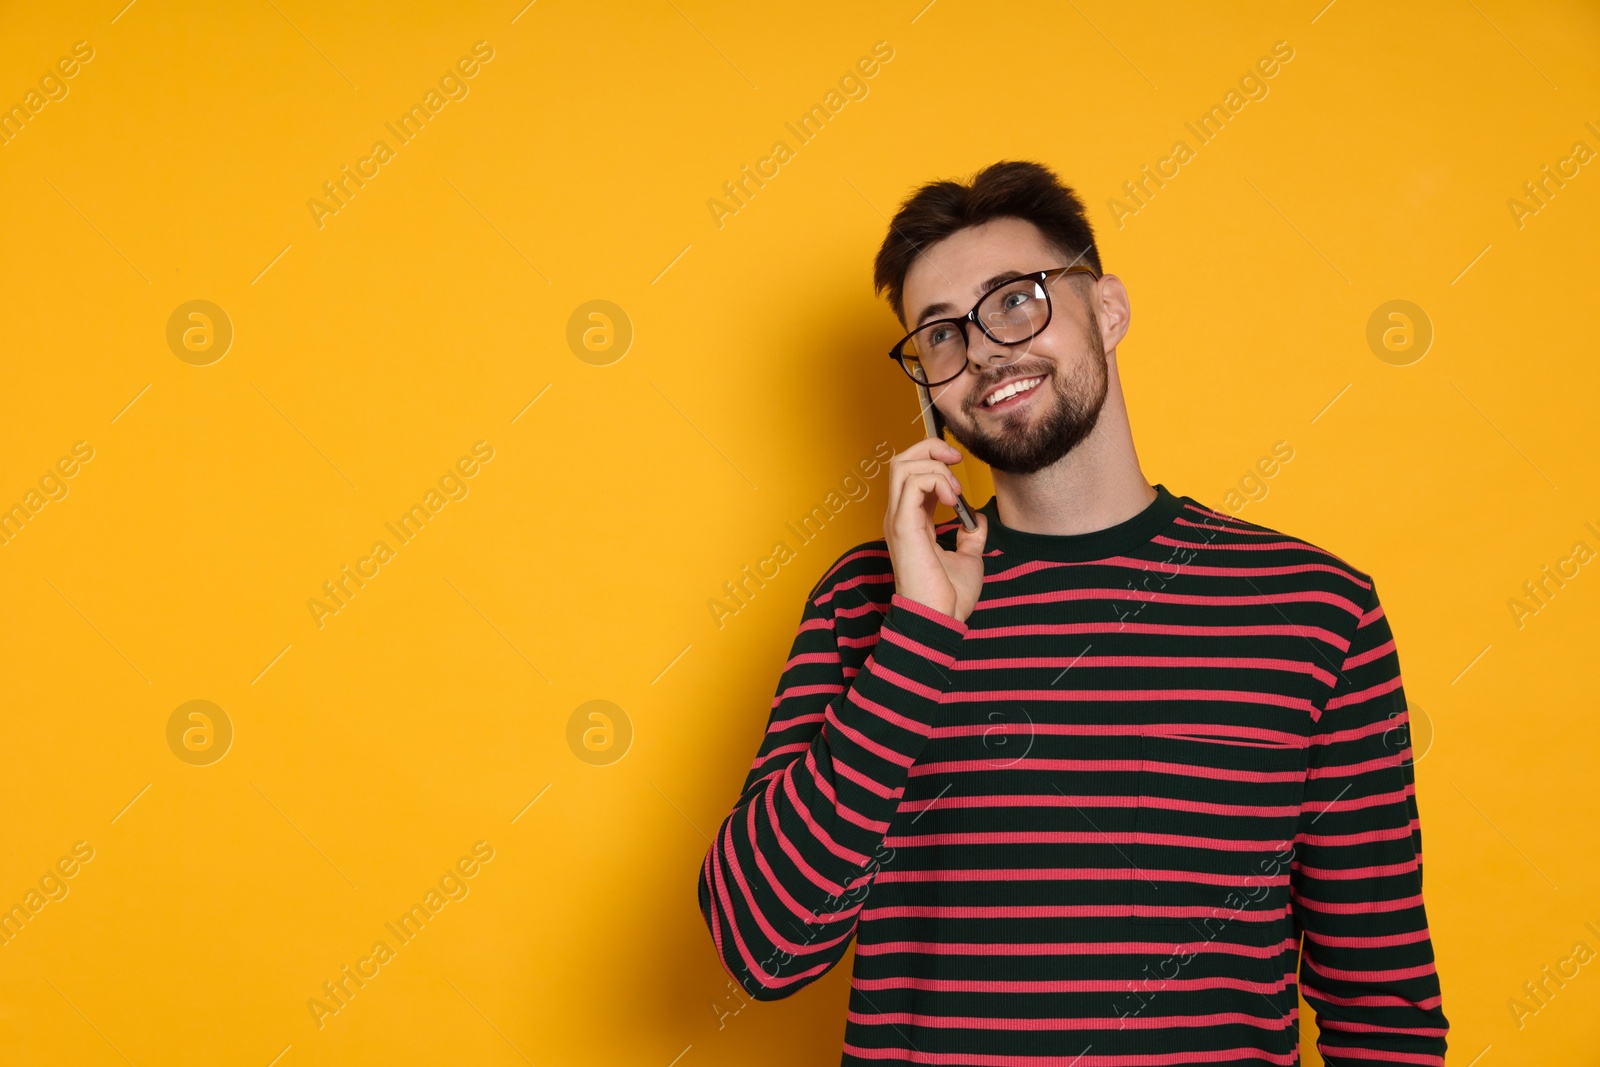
(1018, 447)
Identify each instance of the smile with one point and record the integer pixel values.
(1015, 387)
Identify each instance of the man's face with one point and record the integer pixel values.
(1065, 364)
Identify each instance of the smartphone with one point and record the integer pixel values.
(933, 423)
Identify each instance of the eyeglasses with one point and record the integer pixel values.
(1014, 311)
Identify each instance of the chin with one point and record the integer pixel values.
(1025, 442)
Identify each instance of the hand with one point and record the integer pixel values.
(919, 480)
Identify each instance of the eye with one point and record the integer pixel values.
(940, 335)
(1015, 299)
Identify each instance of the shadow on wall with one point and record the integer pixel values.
(834, 390)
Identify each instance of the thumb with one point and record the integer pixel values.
(971, 542)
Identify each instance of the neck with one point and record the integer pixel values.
(1096, 485)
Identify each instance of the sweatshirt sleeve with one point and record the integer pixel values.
(1367, 963)
(788, 871)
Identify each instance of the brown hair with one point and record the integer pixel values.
(1012, 188)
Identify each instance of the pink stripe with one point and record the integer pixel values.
(970, 1059)
(811, 657)
(1350, 770)
(867, 640)
(1219, 520)
(1234, 742)
(823, 785)
(781, 750)
(1373, 1028)
(1363, 695)
(715, 908)
(989, 911)
(1219, 662)
(916, 648)
(1356, 733)
(772, 935)
(832, 803)
(766, 980)
(899, 681)
(911, 726)
(1394, 833)
(1368, 656)
(1162, 567)
(724, 902)
(818, 833)
(1410, 937)
(855, 611)
(1055, 596)
(1383, 975)
(780, 725)
(1266, 546)
(871, 785)
(1212, 843)
(1376, 1000)
(1170, 629)
(993, 800)
(1228, 527)
(1005, 874)
(774, 883)
(1221, 773)
(978, 766)
(1233, 696)
(1179, 730)
(1349, 874)
(1072, 837)
(805, 691)
(949, 622)
(1202, 807)
(1072, 874)
(1128, 1022)
(826, 885)
(853, 583)
(1081, 985)
(1200, 946)
(1210, 773)
(878, 749)
(1057, 800)
(1365, 907)
(851, 557)
(856, 818)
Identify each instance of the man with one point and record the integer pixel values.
(1077, 781)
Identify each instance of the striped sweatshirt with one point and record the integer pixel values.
(1156, 786)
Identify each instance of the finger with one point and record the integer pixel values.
(971, 542)
(928, 448)
(945, 451)
(928, 489)
(932, 466)
(915, 504)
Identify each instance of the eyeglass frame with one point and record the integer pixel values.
(897, 353)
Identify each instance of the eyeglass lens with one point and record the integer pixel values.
(1010, 314)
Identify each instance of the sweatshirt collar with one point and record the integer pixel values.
(1096, 544)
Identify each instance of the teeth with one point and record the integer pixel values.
(1010, 391)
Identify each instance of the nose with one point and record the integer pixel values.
(983, 352)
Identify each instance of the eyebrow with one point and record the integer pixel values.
(945, 308)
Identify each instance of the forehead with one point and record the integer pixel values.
(954, 270)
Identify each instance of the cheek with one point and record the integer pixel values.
(1061, 342)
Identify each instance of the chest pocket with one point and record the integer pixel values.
(1213, 835)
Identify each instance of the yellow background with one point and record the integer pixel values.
(371, 753)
